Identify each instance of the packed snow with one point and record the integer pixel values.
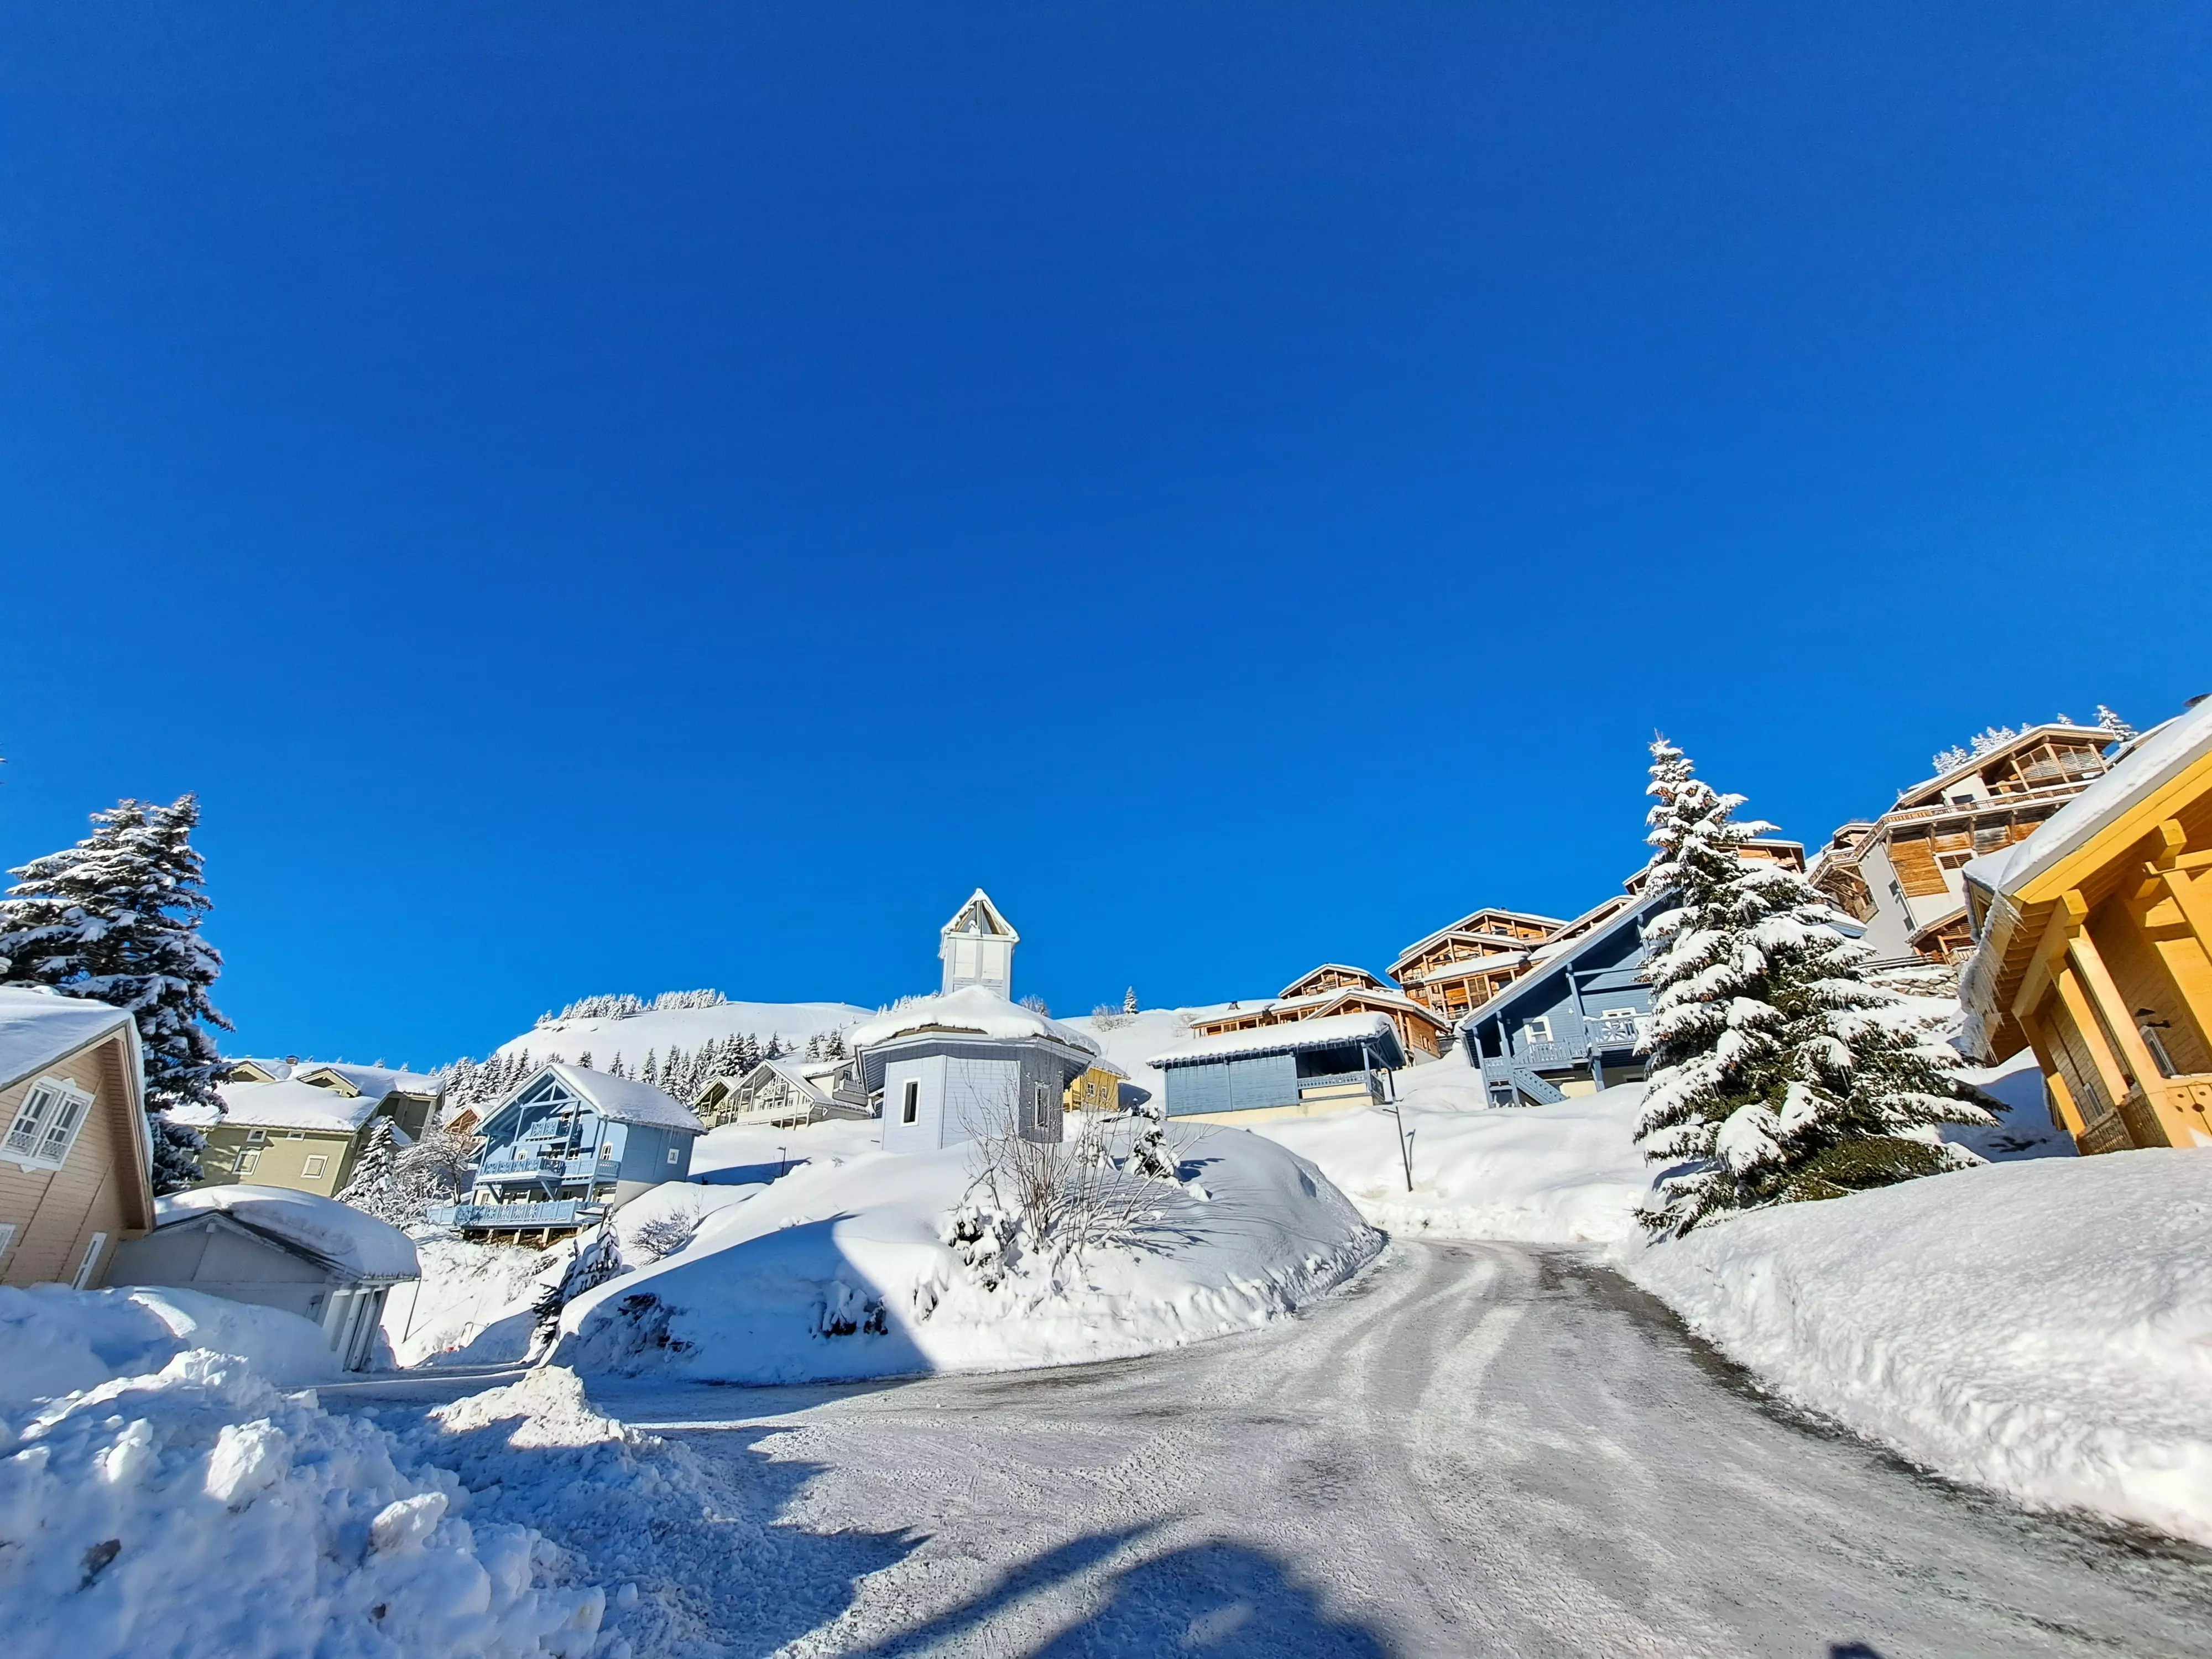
(2042, 1327)
(842, 1269)
(322, 1227)
(160, 1495)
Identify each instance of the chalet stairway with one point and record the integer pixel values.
(1533, 1087)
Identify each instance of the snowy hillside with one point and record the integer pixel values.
(659, 1030)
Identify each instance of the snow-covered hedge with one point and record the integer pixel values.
(2043, 1328)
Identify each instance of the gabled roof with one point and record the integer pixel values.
(617, 1099)
(1293, 1037)
(1466, 925)
(1626, 912)
(1311, 975)
(1487, 962)
(37, 1028)
(376, 1080)
(1935, 785)
(331, 1235)
(290, 1105)
(979, 915)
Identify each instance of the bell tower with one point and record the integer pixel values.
(977, 947)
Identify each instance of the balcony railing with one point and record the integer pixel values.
(1345, 1086)
(581, 1167)
(499, 1218)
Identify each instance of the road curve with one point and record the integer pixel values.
(1477, 1449)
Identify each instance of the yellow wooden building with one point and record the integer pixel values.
(2093, 944)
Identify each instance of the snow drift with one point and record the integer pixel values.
(2043, 1328)
(1568, 1173)
(840, 1270)
(181, 1505)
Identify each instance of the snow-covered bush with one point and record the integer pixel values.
(1779, 1071)
(665, 1235)
(1068, 1195)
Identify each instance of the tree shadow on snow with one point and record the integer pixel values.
(748, 1175)
(697, 1531)
(1212, 1598)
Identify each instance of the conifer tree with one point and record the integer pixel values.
(116, 918)
(1129, 1001)
(375, 1185)
(1777, 1072)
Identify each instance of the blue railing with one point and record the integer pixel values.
(560, 1213)
(510, 1168)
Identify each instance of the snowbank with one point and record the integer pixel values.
(751, 1153)
(192, 1508)
(346, 1238)
(57, 1340)
(2043, 1328)
(1568, 1173)
(972, 1008)
(838, 1270)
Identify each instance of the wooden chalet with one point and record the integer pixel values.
(1464, 965)
(76, 1156)
(1900, 873)
(785, 1092)
(2095, 946)
(1328, 991)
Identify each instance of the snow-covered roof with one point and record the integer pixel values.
(1466, 925)
(2156, 757)
(622, 1099)
(971, 1010)
(1288, 1038)
(378, 1080)
(1371, 980)
(290, 1105)
(333, 1234)
(37, 1028)
(1481, 965)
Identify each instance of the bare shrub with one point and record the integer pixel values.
(665, 1235)
(1057, 1198)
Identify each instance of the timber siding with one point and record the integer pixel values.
(101, 1186)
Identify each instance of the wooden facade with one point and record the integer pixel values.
(1330, 990)
(2095, 946)
(75, 1152)
(1461, 967)
(1900, 873)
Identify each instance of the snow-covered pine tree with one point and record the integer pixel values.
(116, 918)
(1129, 1001)
(833, 1046)
(375, 1185)
(1777, 1072)
(2121, 731)
(650, 1072)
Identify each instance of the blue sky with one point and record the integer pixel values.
(612, 498)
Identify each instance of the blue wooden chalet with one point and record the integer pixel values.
(1292, 1070)
(1571, 1025)
(567, 1146)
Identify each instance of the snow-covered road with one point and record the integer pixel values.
(1477, 1449)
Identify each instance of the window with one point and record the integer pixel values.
(910, 1100)
(671, 1155)
(85, 1268)
(295, 1135)
(249, 1160)
(7, 1237)
(1037, 1121)
(45, 1124)
(255, 1137)
(1538, 1029)
(316, 1164)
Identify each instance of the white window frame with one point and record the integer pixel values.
(672, 1154)
(910, 1100)
(249, 1160)
(84, 1268)
(7, 1237)
(1037, 1106)
(256, 1137)
(315, 1164)
(1538, 1029)
(49, 1104)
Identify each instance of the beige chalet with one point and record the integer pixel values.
(1329, 990)
(1464, 965)
(304, 1126)
(1898, 873)
(76, 1164)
